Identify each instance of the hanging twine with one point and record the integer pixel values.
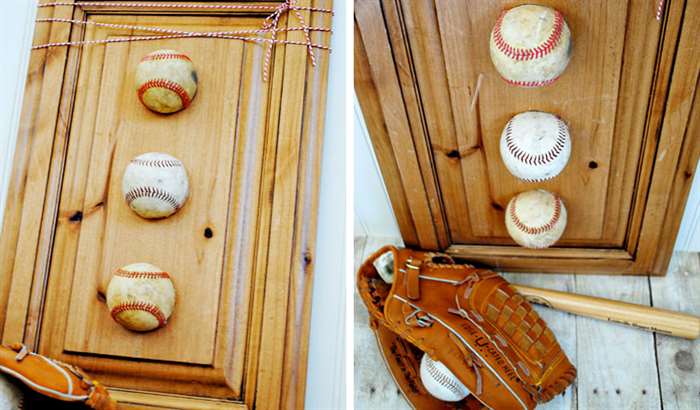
(270, 25)
(660, 10)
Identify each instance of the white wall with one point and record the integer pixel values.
(373, 213)
(374, 216)
(16, 28)
(325, 386)
(326, 366)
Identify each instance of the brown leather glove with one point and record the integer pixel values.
(469, 319)
(52, 378)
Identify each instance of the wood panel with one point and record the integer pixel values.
(111, 235)
(612, 97)
(252, 149)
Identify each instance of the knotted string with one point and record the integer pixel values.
(270, 24)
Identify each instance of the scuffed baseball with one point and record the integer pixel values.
(166, 81)
(384, 265)
(530, 45)
(155, 185)
(536, 219)
(440, 382)
(141, 297)
(535, 146)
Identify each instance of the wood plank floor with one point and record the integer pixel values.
(618, 367)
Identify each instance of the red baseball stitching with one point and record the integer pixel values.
(165, 56)
(523, 54)
(141, 275)
(168, 85)
(539, 159)
(537, 229)
(140, 306)
(151, 192)
(157, 163)
(538, 83)
(443, 379)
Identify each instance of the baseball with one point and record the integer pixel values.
(440, 382)
(530, 45)
(141, 297)
(384, 265)
(535, 146)
(166, 81)
(155, 185)
(536, 219)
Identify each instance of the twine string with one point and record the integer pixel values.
(659, 10)
(270, 25)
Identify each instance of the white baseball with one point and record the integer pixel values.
(535, 146)
(530, 45)
(536, 219)
(440, 382)
(141, 297)
(384, 265)
(166, 81)
(155, 185)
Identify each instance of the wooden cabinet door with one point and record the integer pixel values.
(435, 107)
(239, 252)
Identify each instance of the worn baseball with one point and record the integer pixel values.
(166, 81)
(440, 382)
(155, 185)
(141, 297)
(535, 146)
(536, 219)
(530, 45)
(384, 265)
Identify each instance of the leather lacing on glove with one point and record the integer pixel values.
(53, 378)
(486, 333)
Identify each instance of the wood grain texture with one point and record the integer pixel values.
(616, 363)
(679, 360)
(375, 37)
(111, 235)
(612, 96)
(252, 150)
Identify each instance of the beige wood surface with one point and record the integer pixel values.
(111, 235)
(252, 150)
(611, 96)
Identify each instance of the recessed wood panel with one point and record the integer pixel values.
(427, 67)
(466, 105)
(203, 137)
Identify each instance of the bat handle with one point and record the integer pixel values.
(640, 316)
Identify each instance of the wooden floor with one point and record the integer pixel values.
(618, 367)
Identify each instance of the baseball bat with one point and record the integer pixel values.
(640, 316)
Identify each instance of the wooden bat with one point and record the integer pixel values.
(643, 317)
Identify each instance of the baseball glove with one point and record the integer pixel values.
(469, 319)
(52, 378)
